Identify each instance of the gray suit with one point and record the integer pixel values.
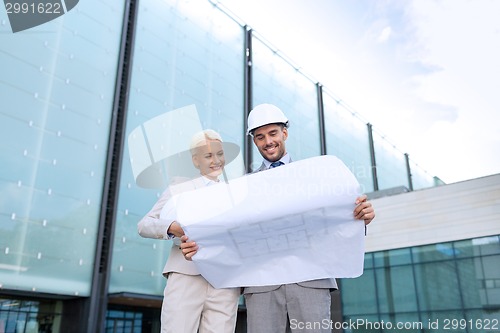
(289, 307)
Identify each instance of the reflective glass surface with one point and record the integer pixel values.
(185, 53)
(347, 138)
(444, 287)
(358, 296)
(433, 252)
(391, 164)
(18, 315)
(392, 257)
(57, 86)
(437, 286)
(419, 177)
(275, 81)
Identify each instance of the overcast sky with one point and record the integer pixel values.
(425, 73)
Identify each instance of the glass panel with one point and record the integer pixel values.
(471, 277)
(437, 290)
(400, 256)
(368, 261)
(347, 138)
(123, 322)
(358, 295)
(491, 289)
(434, 252)
(29, 316)
(482, 321)
(380, 259)
(487, 245)
(185, 53)
(396, 289)
(392, 257)
(277, 82)
(56, 89)
(391, 164)
(477, 247)
(419, 177)
(437, 286)
(465, 249)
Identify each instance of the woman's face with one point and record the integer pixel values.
(209, 159)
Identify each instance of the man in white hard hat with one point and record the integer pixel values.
(288, 307)
(271, 309)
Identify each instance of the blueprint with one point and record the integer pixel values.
(288, 224)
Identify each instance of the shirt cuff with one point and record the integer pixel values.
(169, 236)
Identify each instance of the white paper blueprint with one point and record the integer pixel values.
(289, 224)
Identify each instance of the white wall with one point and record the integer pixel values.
(450, 212)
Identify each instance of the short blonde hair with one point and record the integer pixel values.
(200, 139)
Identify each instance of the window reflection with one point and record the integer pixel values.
(186, 53)
(277, 82)
(57, 87)
(455, 280)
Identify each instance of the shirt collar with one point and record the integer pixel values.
(208, 181)
(285, 159)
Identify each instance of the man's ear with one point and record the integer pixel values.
(285, 133)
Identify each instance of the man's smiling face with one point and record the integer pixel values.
(270, 140)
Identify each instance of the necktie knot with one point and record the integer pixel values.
(276, 164)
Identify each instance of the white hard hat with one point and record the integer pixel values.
(265, 114)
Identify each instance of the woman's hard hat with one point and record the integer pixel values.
(265, 114)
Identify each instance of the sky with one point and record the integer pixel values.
(425, 73)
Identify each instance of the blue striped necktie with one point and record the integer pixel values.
(276, 164)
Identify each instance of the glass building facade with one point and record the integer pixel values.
(72, 91)
(452, 286)
(57, 87)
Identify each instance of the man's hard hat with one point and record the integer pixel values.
(265, 114)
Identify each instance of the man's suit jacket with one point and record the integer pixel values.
(321, 283)
(151, 226)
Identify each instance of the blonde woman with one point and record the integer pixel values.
(190, 303)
